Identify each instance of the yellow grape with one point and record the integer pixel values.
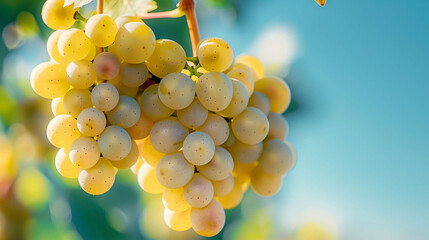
(223, 187)
(74, 45)
(76, 100)
(49, 80)
(241, 172)
(125, 114)
(260, 101)
(214, 90)
(264, 184)
(216, 127)
(253, 63)
(167, 135)
(199, 191)
(98, 179)
(239, 100)
(174, 200)
(244, 77)
(178, 221)
(101, 29)
(121, 88)
(62, 131)
(135, 42)
(106, 65)
(194, 115)
(168, 57)
(84, 152)
(231, 138)
(150, 154)
(148, 181)
(105, 96)
(141, 129)
(176, 90)
(279, 128)
(220, 167)
(292, 149)
(208, 221)
(122, 20)
(133, 75)
(136, 167)
(277, 91)
(250, 126)
(56, 16)
(233, 198)
(64, 165)
(52, 47)
(57, 106)
(198, 148)
(81, 74)
(91, 122)
(245, 153)
(114, 143)
(173, 171)
(277, 157)
(151, 104)
(215, 54)
(246, 68)
(130, 159)
(92, 52)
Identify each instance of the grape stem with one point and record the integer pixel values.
(100, 6)
(175, 13)
(79, 17)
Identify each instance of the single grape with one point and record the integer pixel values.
(130, 159)
(246, 68)
(105, 96)
(199, 191)
(277, 157)
(122, 20)
(178, 221)
(98, 179)
(106, 65)
(122, 89)
(49, 80)
(74, 45)
(125, 114)
(216, 127)
(174, 200)
(173, 171)
(168, 57)
(148, 181)
(167, 135)
(81, 74)
(239, 100)
(150, 154)
(250, 126)
(223, 187)
(64, 165)
(133, 75)
(176, 91)
(253, 63)
(56, 16)
(245, 153)
(194, 115)
(279, 127)
(244, 77)
(214, 91)
(277, 91)
(198, 148)
(215, 54)
(76, 100)
(84, 152)
(57, 106)
(141, 129)
(208, 221)
(101, 29)
(233, 198)
(52, 47)
(220, 167)
(264, 184)
(260, 101)
(151, 104)
(62, 131)
(91, 122)
(114, 143)
(293, 153)
(135, 42)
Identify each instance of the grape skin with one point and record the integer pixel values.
(176, 91)
(106, 65)
(91, 122)
(277, 91)
(105, 96)
(174, 200)
(84, 152)
(81, 74)
(76, 100)
(264, 184)
(98, 179)
(239, 100)
(122, 89)
(114, 143)
(223, 187)
(148, 180)
(233, 198)
(279, 127)
(130, 159)
(49, 80)
(57, 106)
(168, 57)
(52, 47)
(122, 20)
(216, 127)
(178, 221)
(220, 167)
(74, 45)
(133, 75)
(260, 101)
(151, 104)
(101, 29)
(64, 165)
(244, 77)
(253, 63)
(141, 129)
(198, 148)
(150, 154)
(173, 171)
(251, 126)
(208, 221)
(125, 114)
(245, 153)
(194, 115)
(62, 131)
(168, 135)
(215, 54)
(56, 16)
(214, 91)
(199, 191)
(277, 158)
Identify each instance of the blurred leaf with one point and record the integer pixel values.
(26, 24)
(77, 3)
(116, 8)
(321, 2)
(8, 107)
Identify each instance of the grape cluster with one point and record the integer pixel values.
(198, 131)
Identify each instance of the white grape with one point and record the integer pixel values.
(125, 114)
(167, 58)
(151, 104)
(264, 184)
(216, 127)
(260, 101)
(114, 143)
(133, 75)
(167, 135)
(174, 200)
(279, 127)
(98, 179)
(106, 65)
(64, 165)
(277, 157)
(198, 148)
(101, 29)
(208, 221)
(245, 153)
(62, 131)
(91, 122)
(239, 100)
(84, 152)
(173, 171)
(223, 187)
(220, 167)
(199, 191)
(49, 80)
(148, 181)
(194, 115)
(277, 91)
(250, 126)
(81, 74)
(105, 96)
(176, 90)
(214, 91)
(215, 54)
(178, 221)
(76, 100)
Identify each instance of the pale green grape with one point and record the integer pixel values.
(178, 221)
(277, 157)
(49, 80)
(292, 149)
(215, 54)
(167, 135)
(220, 167)
(253, 63)
(56, 16)
(81, 74)
(98, 179)
(199, 191)
(151, 104)
(106, 65)
(174, 200)
(277, 91)
(130, 159)
(125, 114)
(216, 127)
(214, 90)
(141, 129)
(64, 165)
(122, 89)
(62, 131)
(148, 181)
(57, 106)
(52, 47)
(91, 122)
(198, 148)
(150, 154)
(223, 187)
(245, 153)
(114, 143)
(105, 96)
(264, 184)
(133, 75)
(231, 138)
(250, 126)
(101, 29)
(168, 57)
(208, 221)
(76, 100)
(84, 152)
(279, 127)
(122, 20)
(176, 90)
(173, 171)
(260, 101)
(135, 42)
(233, 198)
(244, 77)
(194, 115)
(239, 100)
(74, 45)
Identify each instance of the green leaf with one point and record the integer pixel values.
(321, 2)
(116, 8)
(77, 3)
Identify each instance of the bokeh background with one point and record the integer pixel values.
(359, 120)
